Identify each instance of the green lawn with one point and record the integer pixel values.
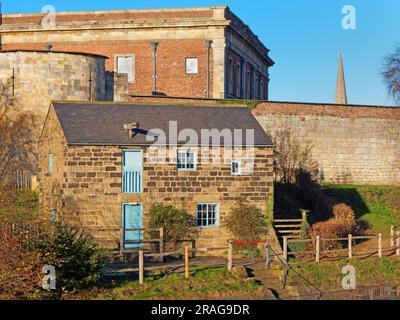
(20, 204)
(379, 206)
(327, 275)
(205, 283)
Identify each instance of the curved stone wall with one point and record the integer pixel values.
(41, 76)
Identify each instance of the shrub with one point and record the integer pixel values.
(246, 222)
(177, 224)
(340, 226)
(77, 259)
(343, 211)
(20, 269)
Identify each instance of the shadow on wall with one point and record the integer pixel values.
(290, 199)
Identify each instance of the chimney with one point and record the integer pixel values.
(131, 128)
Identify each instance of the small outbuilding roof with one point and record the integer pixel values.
(102, 123)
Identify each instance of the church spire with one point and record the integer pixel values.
(341, 95)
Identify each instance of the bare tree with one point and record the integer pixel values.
(293, 157)
(391, 74)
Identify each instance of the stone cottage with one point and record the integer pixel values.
(103, 165)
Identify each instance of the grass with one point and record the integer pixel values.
(19, 203)
(205, 283)
(328, 275)
(379, 206)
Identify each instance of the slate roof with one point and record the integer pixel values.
(102, 123)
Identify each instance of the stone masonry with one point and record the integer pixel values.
(86, 185)
(180, 34)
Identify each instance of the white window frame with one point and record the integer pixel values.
(196, 70)
(133, 80)
(239, 163)
(216, 218)
(186, 160)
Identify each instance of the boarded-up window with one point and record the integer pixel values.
(125, 65)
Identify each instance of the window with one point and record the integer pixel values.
(207, 215)
(248, 84)
(132, 171)
(235, 167)
(262, 90)
(238, 80)
(192, 65)
(230, 76)
(257, 89)
(51, 164)
(186, 160)
(125, 64)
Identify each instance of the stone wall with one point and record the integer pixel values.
(87, 181)
(352, 144)
(40, 77)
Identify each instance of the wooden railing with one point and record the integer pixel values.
(290, 228)
(317, 246)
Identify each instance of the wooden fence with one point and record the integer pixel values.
(317, 246)
(289, 227)
(21, 180)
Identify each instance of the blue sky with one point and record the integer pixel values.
(305, 37)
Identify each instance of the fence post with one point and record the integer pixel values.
(392, 236)
(350, 241)
(317, 249)
(398, 243)
(285, 249)
(230, 254)
(141, 267)
(186, 262)
(380, 245)
(267, 253)
(162, 244)
(304, 214)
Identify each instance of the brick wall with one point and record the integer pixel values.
(86, 186)
(180, 33)
(171, 54)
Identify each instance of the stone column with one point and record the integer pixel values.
(219, 48)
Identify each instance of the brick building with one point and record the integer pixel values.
(97, 174)
(196, 52)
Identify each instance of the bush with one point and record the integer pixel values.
(246, 222)
(77, 259)
(340, 226)
(343, 211)
(20, 269)
(177, 224)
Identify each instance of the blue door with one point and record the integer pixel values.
(132, 219)
(132, 171)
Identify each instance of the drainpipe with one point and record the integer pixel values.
(208, 44)
(154, 47)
